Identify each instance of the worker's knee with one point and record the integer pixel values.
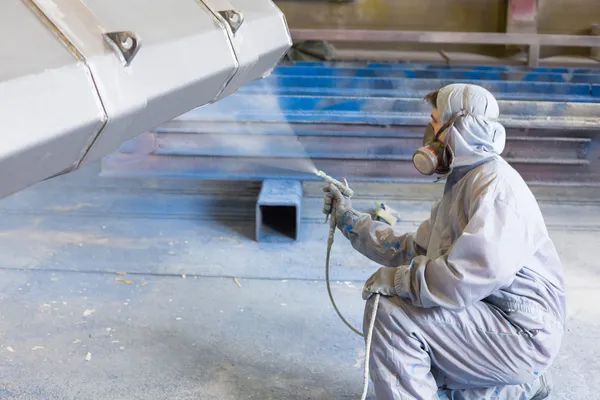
(382, 309)
(390, 310)
(387, 306)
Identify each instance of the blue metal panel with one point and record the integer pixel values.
(192, 127)
(403, 87)
(427, 74)
(365, 120)
(421, 66)
(505, 68)
(460, 72)
(320, 145)
(385, 111)
(585, 78)
(256, 168)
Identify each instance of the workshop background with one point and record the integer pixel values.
(576, 17)
(189, 264)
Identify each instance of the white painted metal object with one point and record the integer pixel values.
(79, 77)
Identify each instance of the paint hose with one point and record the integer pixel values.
(369, 338)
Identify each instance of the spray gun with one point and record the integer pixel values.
(344, 188)
(346, 191)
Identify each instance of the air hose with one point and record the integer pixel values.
(332, 227)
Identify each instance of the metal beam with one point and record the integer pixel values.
(278, 210)
(428, 66)
(533, 41)
(362, 35)
(218, 151)
(516, 75)
(545, 171)
(403, 87)
(595, 51)
(241, 108)
(363, 122)
(522, 16)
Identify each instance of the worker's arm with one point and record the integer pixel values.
(485, 258)
(380, 242)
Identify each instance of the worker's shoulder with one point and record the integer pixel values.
(497, 180)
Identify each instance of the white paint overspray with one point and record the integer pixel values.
(283, 151)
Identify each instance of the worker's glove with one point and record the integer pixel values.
(381, 282)
(342, 203)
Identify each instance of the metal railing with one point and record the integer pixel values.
(534, 42)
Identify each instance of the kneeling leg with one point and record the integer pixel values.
(469, 350)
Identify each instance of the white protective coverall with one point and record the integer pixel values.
(480, 305)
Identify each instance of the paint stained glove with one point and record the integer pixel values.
(381, 282)
(342, 203)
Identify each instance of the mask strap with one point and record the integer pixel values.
(450, 123)
(461, 113)
(446, 126)
(450, 162)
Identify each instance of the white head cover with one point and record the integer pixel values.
(477, 135)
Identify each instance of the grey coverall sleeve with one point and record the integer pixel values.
(381, 243)
(483, 259)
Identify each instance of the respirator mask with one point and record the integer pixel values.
(435, 156)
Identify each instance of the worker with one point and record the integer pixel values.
(472, 304)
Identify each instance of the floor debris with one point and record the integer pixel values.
(88, 312)
(299, 352)
(37, 348)
(237, 282)
(88, 356)
(124, 281)
(10, 349)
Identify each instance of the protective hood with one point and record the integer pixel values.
(477, 135)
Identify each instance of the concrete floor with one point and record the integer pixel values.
(161, 335)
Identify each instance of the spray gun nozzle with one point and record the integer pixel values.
(344, 188)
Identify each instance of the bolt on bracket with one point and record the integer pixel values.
(125, 45)
(234, 18)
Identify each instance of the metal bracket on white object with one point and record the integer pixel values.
(168, 29)
(125, 44)
(266, 28)
(83, 32)
(244, 54)
(234, 18)
(226, 12)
